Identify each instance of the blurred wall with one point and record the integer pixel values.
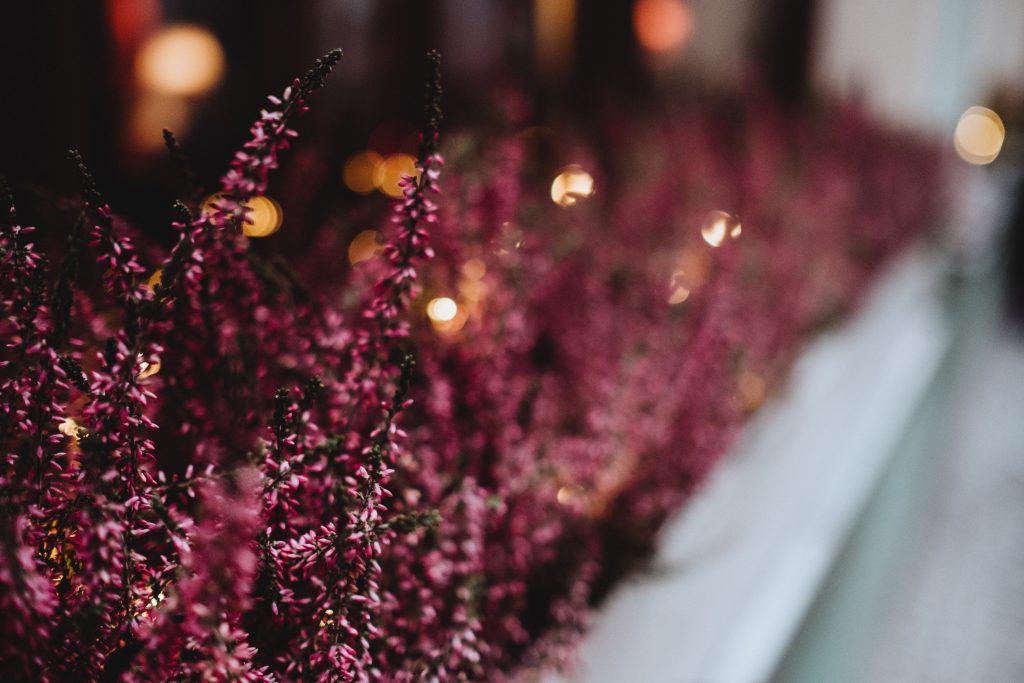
(920, 62)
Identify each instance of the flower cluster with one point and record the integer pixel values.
(344, 488)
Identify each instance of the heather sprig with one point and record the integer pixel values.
(190, 186)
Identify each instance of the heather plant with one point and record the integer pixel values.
(213, 472)
(259, 557)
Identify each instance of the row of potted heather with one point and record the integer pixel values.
(429, 468)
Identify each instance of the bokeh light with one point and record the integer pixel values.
(364, 247)
(979, 136)
(719, 225)
(474, 269)
(264, 217)
(69, 427)
(446, 316)
(147, 369)
(360, 171)
(182, 60)
(662, 25)
(570, 185)
(751, 391)
(472, 288)
(442, 309)
(568, 494)
(389, 173)
(678, 291)
(209, 201)
(150, 113)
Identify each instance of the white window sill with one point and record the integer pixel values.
(739, 568)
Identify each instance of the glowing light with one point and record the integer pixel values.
(750, 391)
(182, 60)
(662, 25)
(207, 205)
(472, 288)
(570, 185)
(69, 427)
(364, 247)
(147, 369)
(446, 316)
(442, 309)
(263, 218)
(678, 291)
(718, 225)
(151, 112)
(360, 171)
(979, 136)
(156, 279)
(567, 495)
(474, 269)
(388, 174)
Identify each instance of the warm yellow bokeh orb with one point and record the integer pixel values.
(474, 269)
(979, 136)
(360, 171)
(389, 173)
(207, 205)
(751, 391)
(363, 247)
(182, 60)
(570, 185)
(568, 494)
(264, 217)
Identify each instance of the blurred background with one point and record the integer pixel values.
(106, 76)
